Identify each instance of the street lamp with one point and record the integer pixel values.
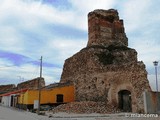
(156, 64)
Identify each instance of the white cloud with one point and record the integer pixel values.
(23, 31)
(20, 17)
(90, 5)
(136, 14)
(10, 74)
(32, 16)
(63, 49)
(52, 75)
(141, 21)
(83, 7)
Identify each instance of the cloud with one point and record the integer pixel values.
(57, 29)
(135, 13)
(141, 24)
(27, 72)
(90, 5)
(13, 58)
(58, 4)
(10, 73)
(26, 27)
(66, 48)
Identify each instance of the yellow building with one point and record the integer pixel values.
(53, 94)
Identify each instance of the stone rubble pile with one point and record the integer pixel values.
(85, 107)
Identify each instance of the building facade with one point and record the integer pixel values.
(54, 94)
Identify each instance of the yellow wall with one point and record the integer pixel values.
(23, 97)
(48, 96)
(67, 91)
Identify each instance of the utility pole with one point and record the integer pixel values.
(39, 87)
(21, 93)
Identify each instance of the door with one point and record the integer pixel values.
(125, 100)
(12, 101)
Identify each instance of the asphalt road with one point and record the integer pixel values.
(15, 114)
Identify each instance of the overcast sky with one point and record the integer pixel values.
(57, 29)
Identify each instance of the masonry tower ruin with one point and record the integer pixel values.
(107, 69)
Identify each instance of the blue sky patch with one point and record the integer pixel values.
(18, 60)
(60, 4)
(13, 58)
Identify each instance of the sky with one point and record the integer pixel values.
(57, 29)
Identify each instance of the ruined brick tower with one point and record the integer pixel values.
(107, 69)
(105, 28)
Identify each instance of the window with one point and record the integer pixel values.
(59, 98)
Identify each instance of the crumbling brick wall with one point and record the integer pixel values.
(107, 65)
(6, 88)
(31, 84)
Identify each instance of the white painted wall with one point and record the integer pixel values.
(6, 101)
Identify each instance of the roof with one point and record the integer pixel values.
(55, 85)
(14, 92)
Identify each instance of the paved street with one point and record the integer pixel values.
(15, 114)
